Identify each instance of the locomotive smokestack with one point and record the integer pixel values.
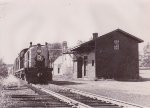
(95, 35)
(30, 44)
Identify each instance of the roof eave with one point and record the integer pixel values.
(138, 39)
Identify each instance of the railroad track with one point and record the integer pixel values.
(91, 100)
(24, 97)
(59, 97)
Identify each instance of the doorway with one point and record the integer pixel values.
(85, 64)
(79, 67)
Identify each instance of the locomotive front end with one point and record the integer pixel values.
(37, 64)
(40, 64)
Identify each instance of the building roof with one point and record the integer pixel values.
(129, 35)
(117, 30)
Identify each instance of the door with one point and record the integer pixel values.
(79, 67)
(85, 64)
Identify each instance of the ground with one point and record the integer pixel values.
(137, 92)
(11, 86)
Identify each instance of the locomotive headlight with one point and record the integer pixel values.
(39, 49)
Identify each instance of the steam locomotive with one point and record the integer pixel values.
(33, 65)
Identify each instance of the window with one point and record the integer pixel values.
(59, 66)
(85, 60)
(92, 62)
(116, 44)
(58, 70)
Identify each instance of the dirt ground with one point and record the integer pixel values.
(137, 92)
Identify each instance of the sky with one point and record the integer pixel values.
(40, 21)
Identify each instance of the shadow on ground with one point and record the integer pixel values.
(141, 79)
(145, 79)
(64, 83)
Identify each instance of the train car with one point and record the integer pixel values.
(18, 68)
(32, 64)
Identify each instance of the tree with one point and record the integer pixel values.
(55, 50)
(79, 42)
(3, 69)
(146, 56)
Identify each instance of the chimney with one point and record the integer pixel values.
(30, 44)
(65, 47)
(95, 35)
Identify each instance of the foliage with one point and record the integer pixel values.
(55, 50)
(146, 57)
(3, 69)
(79, 42)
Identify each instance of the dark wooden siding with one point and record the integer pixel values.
(118, 64)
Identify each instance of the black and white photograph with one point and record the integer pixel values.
(74, 54)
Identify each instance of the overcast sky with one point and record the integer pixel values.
(22, 21)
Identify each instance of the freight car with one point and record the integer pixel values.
(32, 64)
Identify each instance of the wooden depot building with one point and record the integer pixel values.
(110, 56)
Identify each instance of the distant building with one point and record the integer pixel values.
(113, 55)
(63, 65)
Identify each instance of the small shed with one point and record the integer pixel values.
(112, 55)
(63, 65)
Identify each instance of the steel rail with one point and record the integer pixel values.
(87, 94)
(103, 98)
(70, 101)
(106, 99)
